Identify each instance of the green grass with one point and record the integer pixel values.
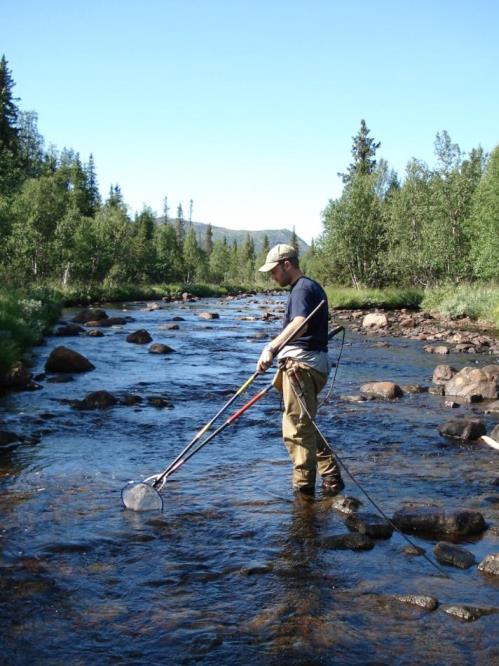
(476, 301)
(349, 298)
(25, 315)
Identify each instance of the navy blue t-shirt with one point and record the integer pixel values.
(305, 296)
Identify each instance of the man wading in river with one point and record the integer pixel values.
(305, 363)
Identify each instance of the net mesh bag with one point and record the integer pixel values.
(141, 497)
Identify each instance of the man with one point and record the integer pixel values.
(303, 370)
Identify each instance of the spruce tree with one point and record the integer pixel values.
(364, 150)
(10, 171)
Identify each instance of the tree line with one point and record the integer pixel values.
(55, 227)
(440, 225)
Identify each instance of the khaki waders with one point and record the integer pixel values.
(306, 449)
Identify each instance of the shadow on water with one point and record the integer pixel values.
(234, 569)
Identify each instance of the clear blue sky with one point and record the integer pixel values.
(249, 107)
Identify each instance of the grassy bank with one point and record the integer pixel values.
(388, 299)
(25, 315)
(473, 301)
(86, 294)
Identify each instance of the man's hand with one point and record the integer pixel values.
(265, 360)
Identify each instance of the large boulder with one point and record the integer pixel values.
(431, 521)
(63, 359)
(468, 382)
(90, 314)
(382, 390)
(465, 428)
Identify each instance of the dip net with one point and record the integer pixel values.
(141, 497)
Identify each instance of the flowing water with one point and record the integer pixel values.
(233, 571)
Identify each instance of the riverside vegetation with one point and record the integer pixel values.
(395, 243)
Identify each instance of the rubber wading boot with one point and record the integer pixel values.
(332, 485)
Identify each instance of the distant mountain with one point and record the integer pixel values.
(275, 236)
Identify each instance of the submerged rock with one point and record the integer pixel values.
(431, 521)
(438, 349)
(463, 428)
(348, 542)
(69, 330)
(8, 438)
(159, 401)
(448, 553)
(371, 524)
(96, 400)
(159, 348)
(63, 359)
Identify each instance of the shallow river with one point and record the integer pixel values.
(233, 570)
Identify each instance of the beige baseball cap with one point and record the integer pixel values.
(276, 254)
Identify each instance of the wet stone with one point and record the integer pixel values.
(426, 602)
(159, 401)
(129, 399)
(90, 314)
(96, 400)
(370, 524)
(381, 390)
(69, 330)
(255, 568)
(467, 613)
(209, 315)
(60, 379)
(345, 504)
(431, 521)
(353, 398)
(140, 337)
(448, 553)
(411, 550)
(490, 564)
(159, 348)
(63, 359)
(464, 429)
(95, 333)
(414, 388)
(169, 327)
(355, 541)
